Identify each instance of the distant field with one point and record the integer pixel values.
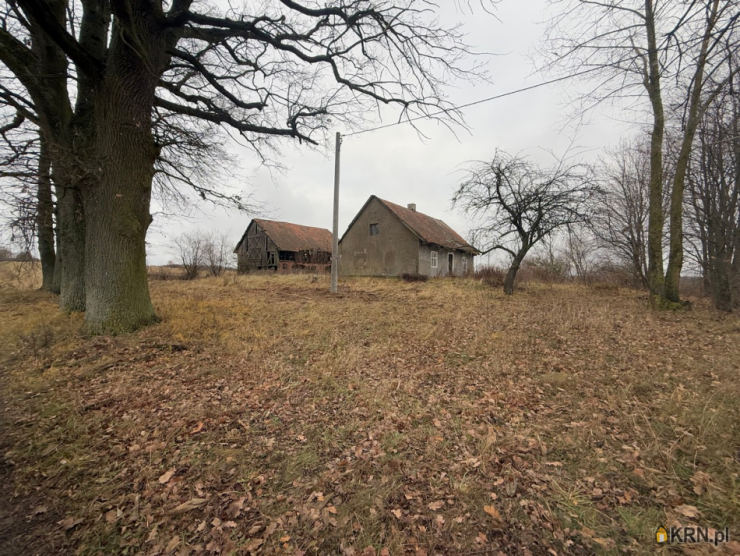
(264, 416)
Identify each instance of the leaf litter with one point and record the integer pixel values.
(434, 418)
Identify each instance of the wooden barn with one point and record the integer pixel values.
(284, 248)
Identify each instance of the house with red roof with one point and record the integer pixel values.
(386, 239)
(283, 247)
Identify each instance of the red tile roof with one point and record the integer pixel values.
(429, 229)
(294, 237)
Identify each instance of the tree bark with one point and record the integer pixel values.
(71, 230)
(44, 217)
(516, 263)
(655, 214)
(56, 283)
(735, 274)
(721, 282)
(675, 257)
(117, 204)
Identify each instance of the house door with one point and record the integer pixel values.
(450, 261)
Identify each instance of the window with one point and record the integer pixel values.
(434, 259)
(465, 263)
(373, 229)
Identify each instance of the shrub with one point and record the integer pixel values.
(492, 276)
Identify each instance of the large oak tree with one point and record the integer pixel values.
(95, 74)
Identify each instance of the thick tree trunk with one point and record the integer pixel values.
(45, 218)
(71, 230)
(117, 205)
(510, 279)
(117, 220)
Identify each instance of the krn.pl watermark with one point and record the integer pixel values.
(692, 534)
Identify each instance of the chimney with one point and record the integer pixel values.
(412, 206)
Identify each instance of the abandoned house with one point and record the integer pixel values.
(284, 248)
(386, 239)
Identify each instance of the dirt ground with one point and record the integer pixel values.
(264, 416)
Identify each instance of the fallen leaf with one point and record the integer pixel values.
(39, 510)
(192, 504)
(69, 522)
(172, 545)
(397, 513)
(588, 533)
(493, 512)
(165, 477)
(701, 481)
(434, 506)
(687, 511)
(198, 428)
(253, 545)
(236, 507)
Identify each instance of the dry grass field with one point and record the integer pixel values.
(264, 416)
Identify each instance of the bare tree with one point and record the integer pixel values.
(580, 251)
(517, 204)
(636, 47)
(25, 182)
(287, 69)
(620, 220)
(217, 253)
(714, 199)
(190, 249)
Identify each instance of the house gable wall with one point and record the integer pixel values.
(392, 252)
(257, 250)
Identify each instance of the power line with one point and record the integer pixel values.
(496, 97)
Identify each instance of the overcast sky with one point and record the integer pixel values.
(397, 165)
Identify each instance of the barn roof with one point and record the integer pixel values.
(293, 237)
(427, 228)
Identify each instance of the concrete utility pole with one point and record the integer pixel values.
(335, 229)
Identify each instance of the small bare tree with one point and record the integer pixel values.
(580, 251)
(620, 220)
(216, 253)
(190, 249)
(517, 204)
